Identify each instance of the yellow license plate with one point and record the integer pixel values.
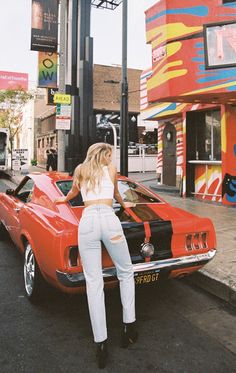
(146, 277)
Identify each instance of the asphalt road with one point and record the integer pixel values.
(182, 329)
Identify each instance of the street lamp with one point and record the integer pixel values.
(112, 4)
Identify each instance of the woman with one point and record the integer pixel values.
(96, 179)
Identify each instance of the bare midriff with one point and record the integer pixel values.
(107, 202)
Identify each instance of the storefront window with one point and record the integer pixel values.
(208, 136)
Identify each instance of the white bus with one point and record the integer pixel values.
(4, 139)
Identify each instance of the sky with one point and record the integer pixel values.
(106, 30)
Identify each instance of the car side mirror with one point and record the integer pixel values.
(10, 192)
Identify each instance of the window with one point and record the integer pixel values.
(130, 192)
(65, 187)
(208, 136)
(219, 44)
(25, 190)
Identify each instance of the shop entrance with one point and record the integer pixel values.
(169, 155)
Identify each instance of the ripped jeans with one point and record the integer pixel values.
(99, 223)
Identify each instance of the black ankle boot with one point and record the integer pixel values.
(129, 334)
(102, 354)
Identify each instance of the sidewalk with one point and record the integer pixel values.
(219, 276)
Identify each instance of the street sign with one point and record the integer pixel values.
(63, 117)
(62, 124)
(60, 98)
(20, 160)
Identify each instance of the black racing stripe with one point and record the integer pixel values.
(135, 236)
(161, 235)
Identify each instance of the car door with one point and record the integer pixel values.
(14, 205)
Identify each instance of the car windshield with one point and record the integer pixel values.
(130, 192)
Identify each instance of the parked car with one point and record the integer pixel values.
(163, 240)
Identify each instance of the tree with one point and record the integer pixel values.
(12, 103)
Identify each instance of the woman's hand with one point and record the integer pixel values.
(128, 205)
(60, 200)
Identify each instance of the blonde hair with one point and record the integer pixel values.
(91, 170)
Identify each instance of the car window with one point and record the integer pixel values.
(65, 187)
(24, 193)
(130, 192)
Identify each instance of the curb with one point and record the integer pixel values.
(165, 189)
(213, 286)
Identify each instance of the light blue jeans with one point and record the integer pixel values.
(99, 223)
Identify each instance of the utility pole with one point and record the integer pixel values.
(86, 119)
(124, 97)
(62, 67)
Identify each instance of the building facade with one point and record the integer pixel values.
(106, 94)
(190, 91)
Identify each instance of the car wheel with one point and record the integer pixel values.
(3, 231)
(32, 277)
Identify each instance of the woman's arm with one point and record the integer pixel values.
(74, 191)
(117, 195)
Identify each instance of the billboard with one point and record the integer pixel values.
(13, 81)
(47, 74)
(44, 25)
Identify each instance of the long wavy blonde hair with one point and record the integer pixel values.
(91, 170)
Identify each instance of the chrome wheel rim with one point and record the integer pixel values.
(29, 270)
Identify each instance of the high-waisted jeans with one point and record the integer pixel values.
(99, 223)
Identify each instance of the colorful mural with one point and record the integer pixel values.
(181, 80)
(178, 49)
(208, 181)
(228, 134)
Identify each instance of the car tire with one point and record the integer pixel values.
(33, 280)
(3, 231)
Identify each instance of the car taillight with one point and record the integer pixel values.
(196, 241)
(188, 242)
(204, 240)
(73, 256)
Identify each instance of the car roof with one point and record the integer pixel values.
(56, 176)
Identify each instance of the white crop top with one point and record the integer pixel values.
(104, 191)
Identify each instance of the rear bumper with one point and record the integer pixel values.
(109, 274)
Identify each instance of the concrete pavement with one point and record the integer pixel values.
(219, 276)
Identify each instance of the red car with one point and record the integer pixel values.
(163, 240)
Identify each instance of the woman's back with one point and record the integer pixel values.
(104, 188)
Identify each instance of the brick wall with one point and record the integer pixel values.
(107, 88)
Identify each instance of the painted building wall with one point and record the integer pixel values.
(175, 31)
(179, 82)
(229, 155)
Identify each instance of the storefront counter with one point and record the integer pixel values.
(207, 179)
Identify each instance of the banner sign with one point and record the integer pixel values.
(13, 81)
(50, 95)
(47, 63)
(44, 25)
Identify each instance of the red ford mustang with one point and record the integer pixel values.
(163, 240)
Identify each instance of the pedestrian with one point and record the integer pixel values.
(54, 159)
(96, 179)
(49, 161)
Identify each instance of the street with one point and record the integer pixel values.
(182, 329)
